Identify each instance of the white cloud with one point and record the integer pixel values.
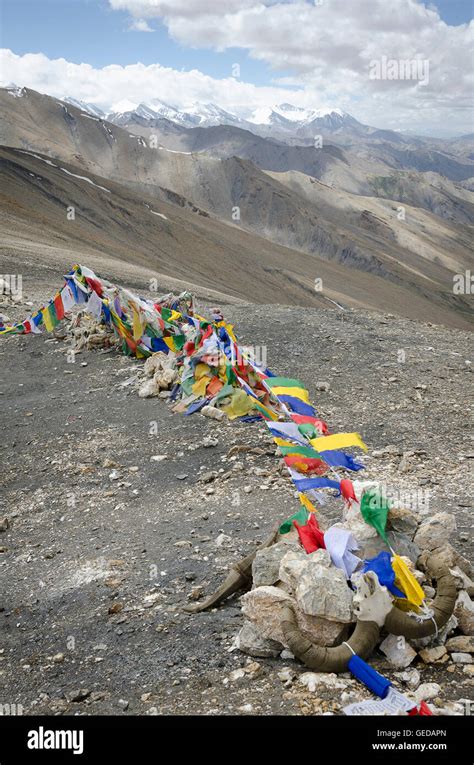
(320, 56)
(140, 25)
(328, 46)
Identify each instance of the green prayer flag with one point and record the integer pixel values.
(283, 382)
(304, 451)
(374, 510)
(309, 430)
(301, 517)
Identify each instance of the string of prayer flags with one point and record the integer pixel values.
(212, 370)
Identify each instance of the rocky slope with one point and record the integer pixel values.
(243, 196)
(104, 544)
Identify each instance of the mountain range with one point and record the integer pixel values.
(251, 208)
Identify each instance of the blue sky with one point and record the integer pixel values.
(89, 31)
(313, 53)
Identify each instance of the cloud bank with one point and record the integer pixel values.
(325, 48)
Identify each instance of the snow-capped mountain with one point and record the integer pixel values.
(85, 107)
(192, 115)
(294, 114)
(280, 121)
(287, 122)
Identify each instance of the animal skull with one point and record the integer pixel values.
(372, 602)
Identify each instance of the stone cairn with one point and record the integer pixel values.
(323, 601)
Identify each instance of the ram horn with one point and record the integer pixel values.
(401, 623)
(238, 578)
(362, 642)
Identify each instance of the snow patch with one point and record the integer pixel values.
(16, 91)
(90, 117)
(84, 178)
(173, 151)
(36, 156)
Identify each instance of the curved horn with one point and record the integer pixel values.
(238, 578)
(400, 623)
(362, 642)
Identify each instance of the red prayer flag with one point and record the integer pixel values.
(59, 307)
(347, 491)
(423, 709)
(311, 536)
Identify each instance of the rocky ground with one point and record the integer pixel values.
(119, 512)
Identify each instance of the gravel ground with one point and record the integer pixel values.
(105, 545)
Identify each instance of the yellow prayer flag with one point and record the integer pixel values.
(283, 442)
(199, 387)
(337, 441)
(406, 582)
(300, 393)
(137, 327)
(170, 343)
(47, 319)
(306, 502)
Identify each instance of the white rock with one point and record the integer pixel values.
(430, 655)
(213, 413)
(250, 641)
(434, 532)
(461, 643)
(411, 678)
(324, 592)
(156, 361)
(398, 651)
(427, 691)
(461, 658)
(322, 631)
(313, 680)
(263, 607)
(295, 562)
(286, 675)
(464, 611)
(463, 582)
(148, 389)
(266, 565)
(451, 708)
(355, 523)
(222, 539)
(237, 674)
